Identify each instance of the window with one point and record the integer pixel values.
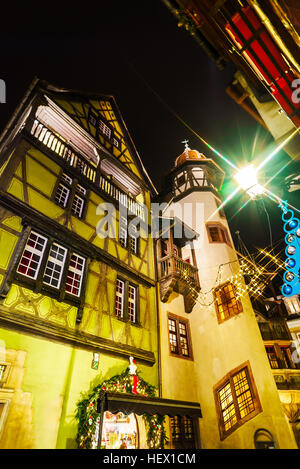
(49, 271)
(131, 303)
(236, 399)
(30, 262)
(2, 371)
(93, 120)
(123, 231)
(119, 306)
(179, 337)
(116, 142)
(55, 265)
(128, 235)
(292, 305)
(182, 432)
(287, 357)
(133, 239)
(4, 405)
(226, 303)
(104, 129)
(218, 234)
(63, 193)
(272, 357)
(181, 179)
(77, 206)
(75, 275)
(126, 300)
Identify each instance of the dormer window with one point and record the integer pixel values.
(104, 129)
(93, 120)
(63, 194)
(116, 142)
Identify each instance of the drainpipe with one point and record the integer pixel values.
(157, 298)
(265, 20)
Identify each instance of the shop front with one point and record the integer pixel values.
(124, 412)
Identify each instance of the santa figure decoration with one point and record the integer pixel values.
(132, 371)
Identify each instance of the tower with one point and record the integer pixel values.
(212, 353)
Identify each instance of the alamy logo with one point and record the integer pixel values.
(2, 91)
(296, 93)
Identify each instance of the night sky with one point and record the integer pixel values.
(134, 50)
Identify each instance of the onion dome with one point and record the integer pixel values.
(189, 155)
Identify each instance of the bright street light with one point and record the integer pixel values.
(247, 180)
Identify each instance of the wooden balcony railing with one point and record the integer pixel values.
(62, 149)
(276, 330)
(85, 169)
(173, 265)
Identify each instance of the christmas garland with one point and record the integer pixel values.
(88, 417)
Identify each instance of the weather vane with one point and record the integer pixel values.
(186, 143)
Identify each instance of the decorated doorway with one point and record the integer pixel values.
(118, 430)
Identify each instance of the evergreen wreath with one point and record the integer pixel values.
(88, 417)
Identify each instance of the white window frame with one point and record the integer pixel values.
(55, 261)
(104, 129)
(77, 205)
(81, 189)
(123, 232)
(33, 251)
(120, 295)
(133, 239)
(67, 179)
(62, 195)
(131, 301)
(76, 271)
(116, 142)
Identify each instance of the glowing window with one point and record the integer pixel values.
(227, 305)
(75, 275)
(237, 399)
(182, 432)
(30, 262)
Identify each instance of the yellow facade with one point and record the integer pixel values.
(47, 343)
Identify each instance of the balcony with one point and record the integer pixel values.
(174, 274)
(287, 379)
(174, 266)
(85, 169)
(275, 330)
